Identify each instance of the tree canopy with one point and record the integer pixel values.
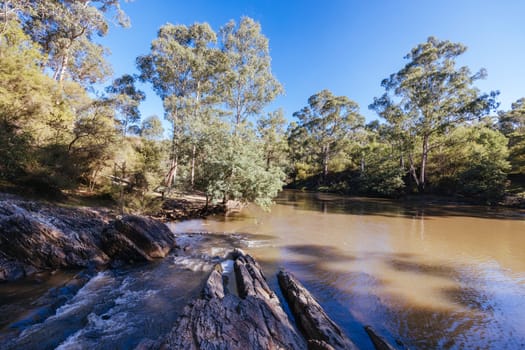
(64, 126)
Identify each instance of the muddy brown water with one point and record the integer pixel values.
(432, 276)
(425, 277)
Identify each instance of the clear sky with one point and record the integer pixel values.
(345, 46)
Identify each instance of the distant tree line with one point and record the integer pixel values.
(439, 134)
(59, 130)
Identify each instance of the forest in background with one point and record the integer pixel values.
(436, 132)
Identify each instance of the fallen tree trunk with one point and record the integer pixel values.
(220, 319)
(318, 329)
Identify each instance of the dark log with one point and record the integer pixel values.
(379, 342)
(222, 320)
(318, 329)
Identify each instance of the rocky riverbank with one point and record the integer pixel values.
(235, 309)
(38, 237)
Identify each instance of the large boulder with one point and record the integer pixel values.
(137, 238)
(35, 237)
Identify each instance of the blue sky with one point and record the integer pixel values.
(347, 46)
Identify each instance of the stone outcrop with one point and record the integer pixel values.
(379, 342)
(221, 319)
(36, 237)
(137, 238)
(317, 328)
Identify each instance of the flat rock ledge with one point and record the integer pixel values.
(37, 237)
(252, 318)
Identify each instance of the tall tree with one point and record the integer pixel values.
(151, 128)
(248, 84)
(512, 125)
(327, 123)
(126, 98)
(430, 95)
(181, 66)
(66, 29)
(272, 133)
(235, 168)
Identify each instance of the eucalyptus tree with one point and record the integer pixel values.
(151, 128)
(399, 133)
(235, 167)
(327, 124)
(126, 97)
(182, 66)
(430, 95)
(512, 124)
(27, 103)
(272, 133)
(66, 31)
(247, 83)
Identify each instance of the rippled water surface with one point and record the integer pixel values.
(425, 277)
(114, 309)
(432, 276)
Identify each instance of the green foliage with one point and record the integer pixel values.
(382, 174)
(151, 128)
(32, 107)
(272, 133)
(471, 163)
(126, 98)
(65, 31)
(247, 83)
(430, 96)
(236, 170)
(325, 127)
(512, 125)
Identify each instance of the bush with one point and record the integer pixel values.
(485, 182)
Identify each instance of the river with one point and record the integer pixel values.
(424, 276)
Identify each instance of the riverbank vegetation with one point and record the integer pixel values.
(66, 123)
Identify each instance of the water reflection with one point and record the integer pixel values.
(412, 208)
(427, 276)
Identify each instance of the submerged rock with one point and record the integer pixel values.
(253, 319)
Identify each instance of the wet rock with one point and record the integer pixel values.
(379, 342)
(34, 237)
(318, 329)
(148, 344)
(46, 305)
(220, 320)
(137, 238)
(10, 269)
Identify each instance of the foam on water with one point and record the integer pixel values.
(193, 263)
(118, 308)
(101, 282)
